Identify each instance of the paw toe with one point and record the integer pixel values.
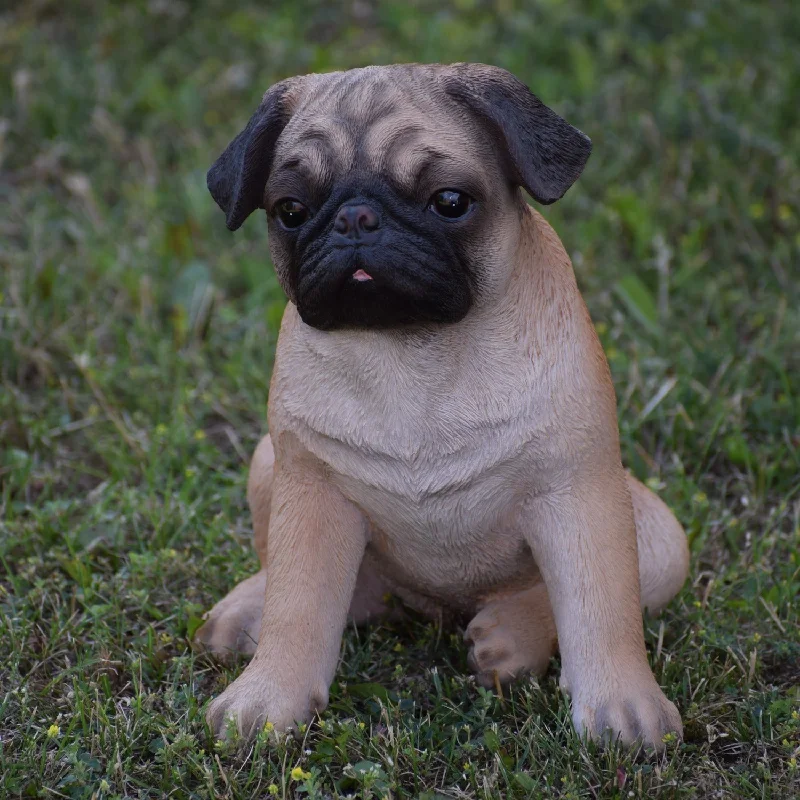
(491, 656)
(227, 635)
(644, 720)
(223, 717)
(474, 633)
(494, 662)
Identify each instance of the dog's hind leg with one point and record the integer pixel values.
(232, 625)
(514, 633)
(662, 545)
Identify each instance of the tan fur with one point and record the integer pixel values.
(464, 467)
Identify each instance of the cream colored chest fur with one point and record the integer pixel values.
(437, 443)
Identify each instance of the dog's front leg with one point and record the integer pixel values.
(584, 540)
(316, 542)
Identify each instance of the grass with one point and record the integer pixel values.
(136, 341)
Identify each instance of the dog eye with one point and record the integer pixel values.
(292, 213)
(450, 203)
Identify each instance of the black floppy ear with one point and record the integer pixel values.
(238, 177)
(547, 153)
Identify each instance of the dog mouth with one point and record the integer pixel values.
(378, 287)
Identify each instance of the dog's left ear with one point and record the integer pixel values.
(547, 154)
(237, 178)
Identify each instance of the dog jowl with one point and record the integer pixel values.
(442, 419)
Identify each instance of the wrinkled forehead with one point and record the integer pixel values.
(399, 129)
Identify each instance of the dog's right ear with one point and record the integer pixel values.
(238, 177)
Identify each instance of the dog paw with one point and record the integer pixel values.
(232, 626)
(499, 652)
(637, 712)
(255, 698)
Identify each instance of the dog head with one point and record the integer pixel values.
(392, 193)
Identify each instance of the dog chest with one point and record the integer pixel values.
(441, 504)
(437, 452)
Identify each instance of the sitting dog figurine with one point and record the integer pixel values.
(442, 418)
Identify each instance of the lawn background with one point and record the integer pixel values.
(136, 341)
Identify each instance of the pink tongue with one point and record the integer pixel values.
(360, 275)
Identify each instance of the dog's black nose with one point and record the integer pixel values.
(357, 223)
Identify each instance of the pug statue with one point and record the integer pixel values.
(442, 420)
